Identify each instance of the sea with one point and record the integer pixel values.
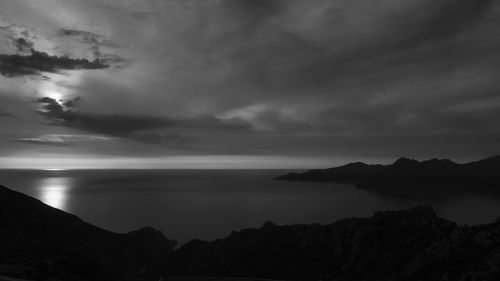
(209, 204)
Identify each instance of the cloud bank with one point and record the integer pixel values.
(345, 78)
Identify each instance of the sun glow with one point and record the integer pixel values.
(54, 169)
(59, 86)
(55, 95)
(50, 88)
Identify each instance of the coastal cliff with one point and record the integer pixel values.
(407, 176)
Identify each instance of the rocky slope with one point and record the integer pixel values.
(38, 242)
(407, 176)
(410, 244)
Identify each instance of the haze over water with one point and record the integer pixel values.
(209, 204)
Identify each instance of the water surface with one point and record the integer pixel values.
(209, 204)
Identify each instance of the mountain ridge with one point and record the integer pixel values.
(409, 244)
(409, 175)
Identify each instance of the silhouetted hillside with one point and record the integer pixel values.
(411, 244)
(38, 241)
(407, 176)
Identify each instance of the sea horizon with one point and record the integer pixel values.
(210, 203)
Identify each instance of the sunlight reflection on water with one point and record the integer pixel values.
(53, 191)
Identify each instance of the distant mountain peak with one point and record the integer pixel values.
(269, 224)
(357, 164)
(403, 161)
(439, 162)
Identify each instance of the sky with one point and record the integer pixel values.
(246, 83)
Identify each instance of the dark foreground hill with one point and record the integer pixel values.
(39, 242)
(411, 244)
(407, 176)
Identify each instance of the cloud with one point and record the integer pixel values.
(23, 44)
(254, 10)
(137, 127)
(454, 16)
(94, 41)
(273, 118)
(109, 124)
(20, 37)
(30, 60)
(159, 138)
(143, 15)
(208, 121)
(68, 103)
(296, 45)
(63, 140)
(231, 75)
(5, 114)
(38, 62)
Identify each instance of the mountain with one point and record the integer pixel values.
(39, 242)
(412, 244)
(407, 176)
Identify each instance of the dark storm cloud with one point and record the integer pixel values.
(137, 127)
(94, 41)
(271, 77)
(109, 124)
(19, 36)
(23, 44)
(38, 62)
(72, 102)
(29, 61)
(207, 121)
